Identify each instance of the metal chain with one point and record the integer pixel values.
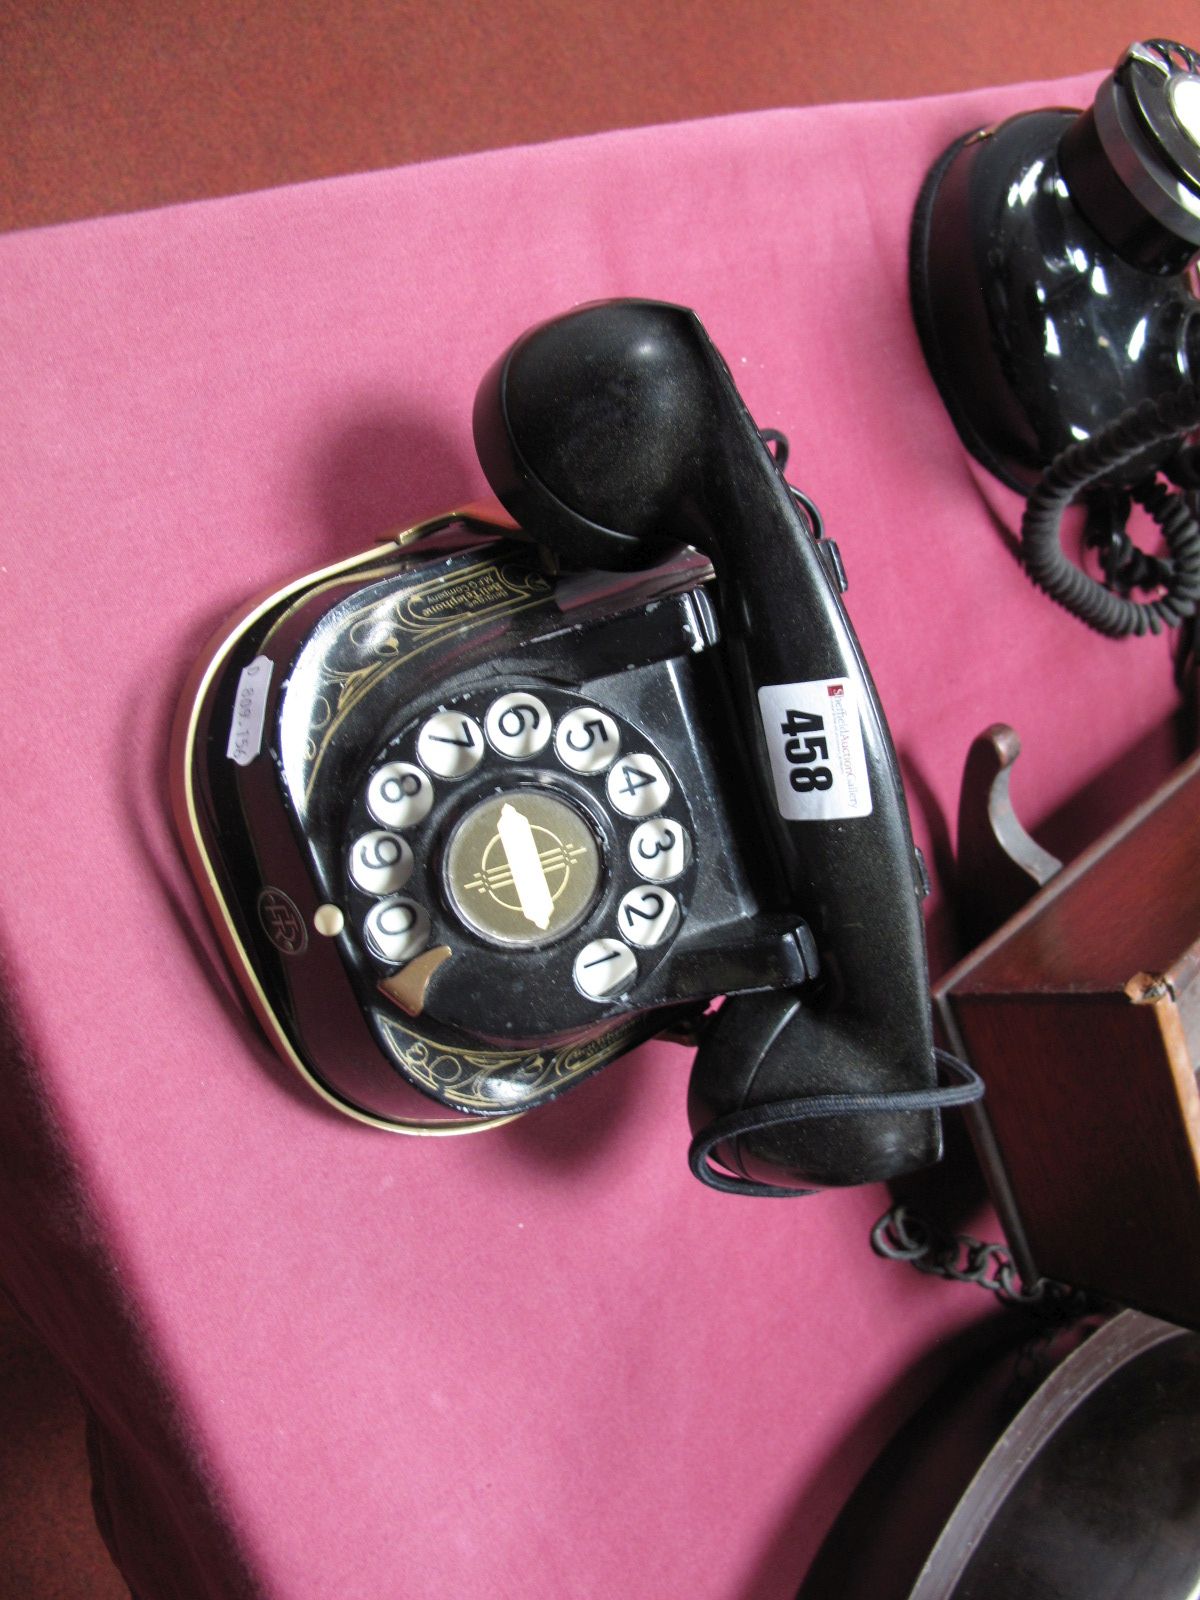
(904, 1235)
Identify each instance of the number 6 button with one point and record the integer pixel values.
(638, 786)
(646, 916)
(517, 725)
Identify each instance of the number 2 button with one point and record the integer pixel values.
(647, 916)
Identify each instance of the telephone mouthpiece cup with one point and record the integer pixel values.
(1050, 262)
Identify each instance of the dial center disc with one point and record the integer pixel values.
(522, 867)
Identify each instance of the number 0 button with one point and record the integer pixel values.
(396, 929)
(638, 786)
(380, 863)
(659, 850)
(647, 916)
(586, 740)
(450, 744)
(605, 967)
(517, 725)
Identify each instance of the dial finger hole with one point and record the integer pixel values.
(659, 850)
(396, 930)
(604, 968)
(647, 916)
(450, 745)
(518, 725)
(587, 740)
(399, 795)
(638, 786)
(380, 862)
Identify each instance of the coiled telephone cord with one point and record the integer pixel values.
(1108, 457)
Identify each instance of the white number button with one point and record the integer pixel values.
(399, 796)
(659, 850)
(518, 725)
(396, 929)
(638, 786)
(450, 744)
(647, 916)
(586, 740)
(380, 862)
(605, 967)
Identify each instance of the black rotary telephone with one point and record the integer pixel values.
(1052, 280)
(478, 810)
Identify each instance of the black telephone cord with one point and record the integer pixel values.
(806, 1108)
(1109, 456)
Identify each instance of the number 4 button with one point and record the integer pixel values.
(638, 786)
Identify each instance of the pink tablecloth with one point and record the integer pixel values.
(325, 1361)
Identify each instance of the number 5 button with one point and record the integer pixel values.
(638, 786)
(659, 850)
(586, 740)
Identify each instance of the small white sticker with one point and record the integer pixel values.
(249, 711)
(814, 737)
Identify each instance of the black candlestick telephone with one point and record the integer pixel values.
(479, 810)
(1052, 284)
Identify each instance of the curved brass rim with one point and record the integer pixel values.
(183, 798)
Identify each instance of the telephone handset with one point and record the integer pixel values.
(479, 811)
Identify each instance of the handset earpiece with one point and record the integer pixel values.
(585, 429)
(614, 434)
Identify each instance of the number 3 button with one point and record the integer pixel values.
(659, 850)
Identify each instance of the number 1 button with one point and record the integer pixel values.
(604, 968)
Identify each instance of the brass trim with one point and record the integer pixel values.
(183, 803)
(407, 987)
